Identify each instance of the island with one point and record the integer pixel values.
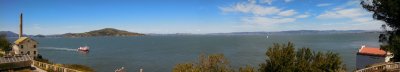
(106, 32)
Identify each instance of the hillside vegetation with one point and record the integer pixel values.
(103, 32)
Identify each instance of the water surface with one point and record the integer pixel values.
(161, 53)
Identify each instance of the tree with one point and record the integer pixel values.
(211, 63)
(4, 45)
(247, 69)
(387, 11)
(280, 58)
(284, 58)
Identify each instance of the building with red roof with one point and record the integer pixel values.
(370, 55)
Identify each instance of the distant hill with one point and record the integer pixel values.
(103, 32)
(297, 32)
(12, 34)
(9, 33)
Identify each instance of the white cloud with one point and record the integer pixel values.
(266, 1)
(351, 16)
(323, 4)
(363, 19)
(302, 16)
(259, 14)
(287, 13)
(251, 8)
(356, 14)
(267, 21)
(358, 17)
(350, 4)
(288, 0)
(252, 1)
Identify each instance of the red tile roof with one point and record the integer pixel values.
(371, 51)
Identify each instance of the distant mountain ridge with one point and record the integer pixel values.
(9, 33)
(115, 32)
(103, 32)
(298, 32)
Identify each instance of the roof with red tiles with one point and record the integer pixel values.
(371, 51)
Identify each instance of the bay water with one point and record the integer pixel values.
(160, 53)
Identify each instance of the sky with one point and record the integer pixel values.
(184, 16)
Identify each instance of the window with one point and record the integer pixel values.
(34, 52)
(34, 46)
(29, 53)
(22, 46)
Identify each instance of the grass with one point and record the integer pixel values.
(78, 67)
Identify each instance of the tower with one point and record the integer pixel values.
(20, 26)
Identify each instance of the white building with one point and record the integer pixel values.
(368, 56)
(24, 45)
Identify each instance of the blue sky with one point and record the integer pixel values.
(184, 16)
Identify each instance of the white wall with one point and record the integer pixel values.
(28, 46)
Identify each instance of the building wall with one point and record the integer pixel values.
(26, 47)
(365, 60)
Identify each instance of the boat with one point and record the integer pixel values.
(122, 69)
(84, 48)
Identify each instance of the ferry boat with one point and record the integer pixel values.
(84, 48)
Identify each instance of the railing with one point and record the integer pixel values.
(51, 67)
(388, 67)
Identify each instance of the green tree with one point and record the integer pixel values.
(284, 58)
(211, 63)
(387, 11)
(4, 44)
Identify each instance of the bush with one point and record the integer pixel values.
(280, 58)
(247, 69)
(211, 63)
(4, 45)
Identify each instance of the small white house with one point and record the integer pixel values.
(25, 45)
(368, 56)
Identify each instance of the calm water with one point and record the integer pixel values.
(161, 53)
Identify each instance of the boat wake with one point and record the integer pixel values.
(58, 48)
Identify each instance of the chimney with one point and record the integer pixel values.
(20, 26)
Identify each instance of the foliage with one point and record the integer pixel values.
(280, 58)
(284, 58)
(78, 67)
(387, 11)
(4, 44)
(211, 63)
(247, 69)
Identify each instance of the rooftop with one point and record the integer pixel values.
(19, 40)
(371, 51)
